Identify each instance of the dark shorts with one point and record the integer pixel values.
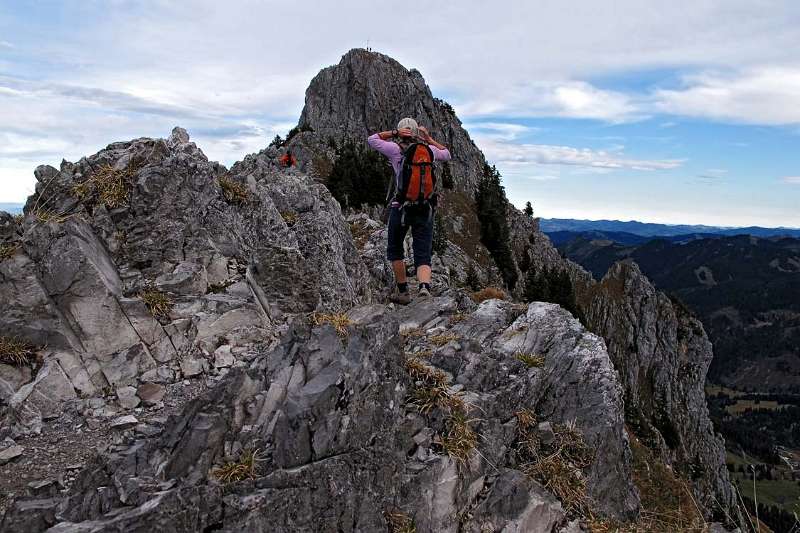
(421, 234)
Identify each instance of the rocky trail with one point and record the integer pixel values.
(364, 422)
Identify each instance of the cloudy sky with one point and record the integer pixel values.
(676, 112)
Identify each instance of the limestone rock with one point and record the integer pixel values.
(124, 422)
(192, 366)
(127, 398)
(662, 355)
(223, 357)
(333, 421)
(150, 393)
(10, 453)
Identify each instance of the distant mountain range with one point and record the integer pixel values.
(745, 289)
(621, 237)
(646, 229)
(11, 208)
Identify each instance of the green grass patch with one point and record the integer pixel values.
(781, 493)
(744, 405)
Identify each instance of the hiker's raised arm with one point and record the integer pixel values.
(377, 141)
(440, 151)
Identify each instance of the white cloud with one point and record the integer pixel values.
(542, 177)
(500, 130)
(568, 99)
(543, 154)
(767, 95)
(713, 174)
(791, 180)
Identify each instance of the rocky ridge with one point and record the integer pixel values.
(242, 257)
(368, 92)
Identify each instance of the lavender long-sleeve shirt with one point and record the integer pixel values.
(394, 153)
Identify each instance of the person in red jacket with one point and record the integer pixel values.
(288, 160)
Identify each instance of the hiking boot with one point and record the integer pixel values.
(402, 298)
(423, 293)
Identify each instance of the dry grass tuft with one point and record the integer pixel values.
(558, 465)
(7, 251)
(667, 502)
(458, 317)
(489, 293)
(526, 418)
(460, 439)
(158, 303)
(45, 216)
(19, 219)
(431, 389)
(361, 233)
(530, 360)
(339, 321)
(245, 468)
(413, 333)
(444, 338)
(107, 185)
(290, 217)
(400, 522)
(16, 352)
(233, 191)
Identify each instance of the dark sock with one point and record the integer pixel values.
(425, 286)
(402, 287)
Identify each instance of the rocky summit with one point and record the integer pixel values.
(186, 347)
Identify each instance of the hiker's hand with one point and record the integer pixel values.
(424, 134)
(405, 132)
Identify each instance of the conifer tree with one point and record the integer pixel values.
(439, 234)
(492, 205)
(529, 209)
(359, 176)
(472, 280)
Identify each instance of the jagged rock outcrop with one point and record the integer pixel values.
(368, 92)
(78, 280)
(340, 445)
(662, 355)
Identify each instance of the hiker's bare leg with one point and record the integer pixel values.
(399, 267)
(423, 274)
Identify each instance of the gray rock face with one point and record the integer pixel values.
(369, 92)
(76, 282)
(337, 443)
(662, 355)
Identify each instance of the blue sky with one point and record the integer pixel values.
(679, 113)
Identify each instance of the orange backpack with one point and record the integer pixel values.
(417, 180)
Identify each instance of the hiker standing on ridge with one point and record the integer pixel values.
(411, 152)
